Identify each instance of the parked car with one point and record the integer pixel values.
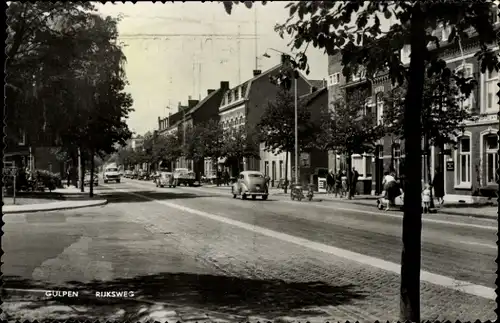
(111, 174)
(250, 183)
(165, 179)
(135, 174)
(128, 174)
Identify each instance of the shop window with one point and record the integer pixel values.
(491, 144)
(463, 169)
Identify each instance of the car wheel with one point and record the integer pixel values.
(254, 197)
(162, 185)
(244, 196)
(156, 184)
(264, 197)
(118, 181)
(105, 182)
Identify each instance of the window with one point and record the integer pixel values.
(491, 99)
(368, 106)
(465, 71)
(22, 137)
(491, 144)
(281, 169)
(463, 175)
(380, 107)
(334, 79)
(229, 96)
(274, 170)
(266, 168)
(236, 94)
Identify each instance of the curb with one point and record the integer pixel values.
(49, 209)
(439, 211)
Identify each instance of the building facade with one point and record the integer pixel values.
(469, 166)
(244, 105)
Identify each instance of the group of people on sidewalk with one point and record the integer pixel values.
(392, 189)
(337, 183)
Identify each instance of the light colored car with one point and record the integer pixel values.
(111, 174)
(164, 179)
(250, 183)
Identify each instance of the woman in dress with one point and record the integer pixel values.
(438, 185)
(391, 189)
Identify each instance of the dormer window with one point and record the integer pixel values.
(236, 94)
(229, 96)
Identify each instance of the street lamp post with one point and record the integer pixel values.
(296, 119)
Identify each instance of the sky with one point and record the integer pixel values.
(176, 50)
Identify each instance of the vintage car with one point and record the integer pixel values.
(164, 179)
(183, 176)
(250, 183)
(128, 174)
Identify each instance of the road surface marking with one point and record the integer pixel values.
(461, 286)
(472, 243)
(458, 224)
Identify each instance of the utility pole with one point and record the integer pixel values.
(255, 44)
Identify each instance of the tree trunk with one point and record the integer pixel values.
(285, 188)
(82, 171)
(412, 219)
(91, 184)
(348, 162)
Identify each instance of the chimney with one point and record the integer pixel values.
(324, 82)
(192, 103)
(210, 91)
(159, 123)
(256, 72)
(224, 85)
(179, 106)
(189, 97)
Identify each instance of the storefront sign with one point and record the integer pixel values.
(321, 185)
(450, 165)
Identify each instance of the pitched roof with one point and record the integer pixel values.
(202, 102)
(317, 83)
(308, 98)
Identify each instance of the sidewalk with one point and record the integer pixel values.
(473, 210)
(59, 199)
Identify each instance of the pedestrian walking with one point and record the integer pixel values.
(426, 197)
(354, 181)
(68, 176)
(330, 182)
(344, 183)
(438, 186)
(338, 184)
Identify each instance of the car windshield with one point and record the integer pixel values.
(256, 175)
(112, 169)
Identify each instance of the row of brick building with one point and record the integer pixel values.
(468, 167)
(243, 106)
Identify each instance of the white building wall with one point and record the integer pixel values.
(266, 156)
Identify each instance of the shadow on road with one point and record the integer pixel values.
(202, 294)
(124, 197)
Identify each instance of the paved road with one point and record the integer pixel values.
(200, 251)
